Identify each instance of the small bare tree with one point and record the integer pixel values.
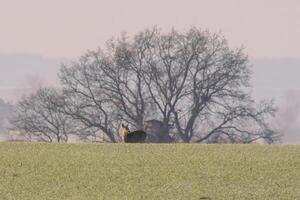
(38, 115)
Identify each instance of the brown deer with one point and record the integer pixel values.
(138, 136)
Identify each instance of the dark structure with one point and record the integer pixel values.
(157, 132)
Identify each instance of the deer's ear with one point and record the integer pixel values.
(127, 126)
(123, 125)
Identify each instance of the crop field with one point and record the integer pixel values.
(148, 171)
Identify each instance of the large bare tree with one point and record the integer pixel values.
(198, 83)
(190, 79)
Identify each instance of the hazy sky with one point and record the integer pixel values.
(67, 28)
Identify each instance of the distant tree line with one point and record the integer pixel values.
(191, 81)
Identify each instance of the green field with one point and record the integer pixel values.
(168, 171)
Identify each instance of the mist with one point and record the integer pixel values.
(278, 79)
(22, 74)
(272, 79)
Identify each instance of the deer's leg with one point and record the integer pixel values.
(123, 138)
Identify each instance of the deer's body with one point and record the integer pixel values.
(132, 137)
(136, 137)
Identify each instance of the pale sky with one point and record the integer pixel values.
(67, 28)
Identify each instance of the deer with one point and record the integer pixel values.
(138, 136)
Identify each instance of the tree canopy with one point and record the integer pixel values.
(192, 81)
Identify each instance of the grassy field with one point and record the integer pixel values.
(124, 171)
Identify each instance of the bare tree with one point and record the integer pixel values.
(102, 89)
(85, 99)
(124, 82)
(191, 79)
(38, 115)
(195, 80)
